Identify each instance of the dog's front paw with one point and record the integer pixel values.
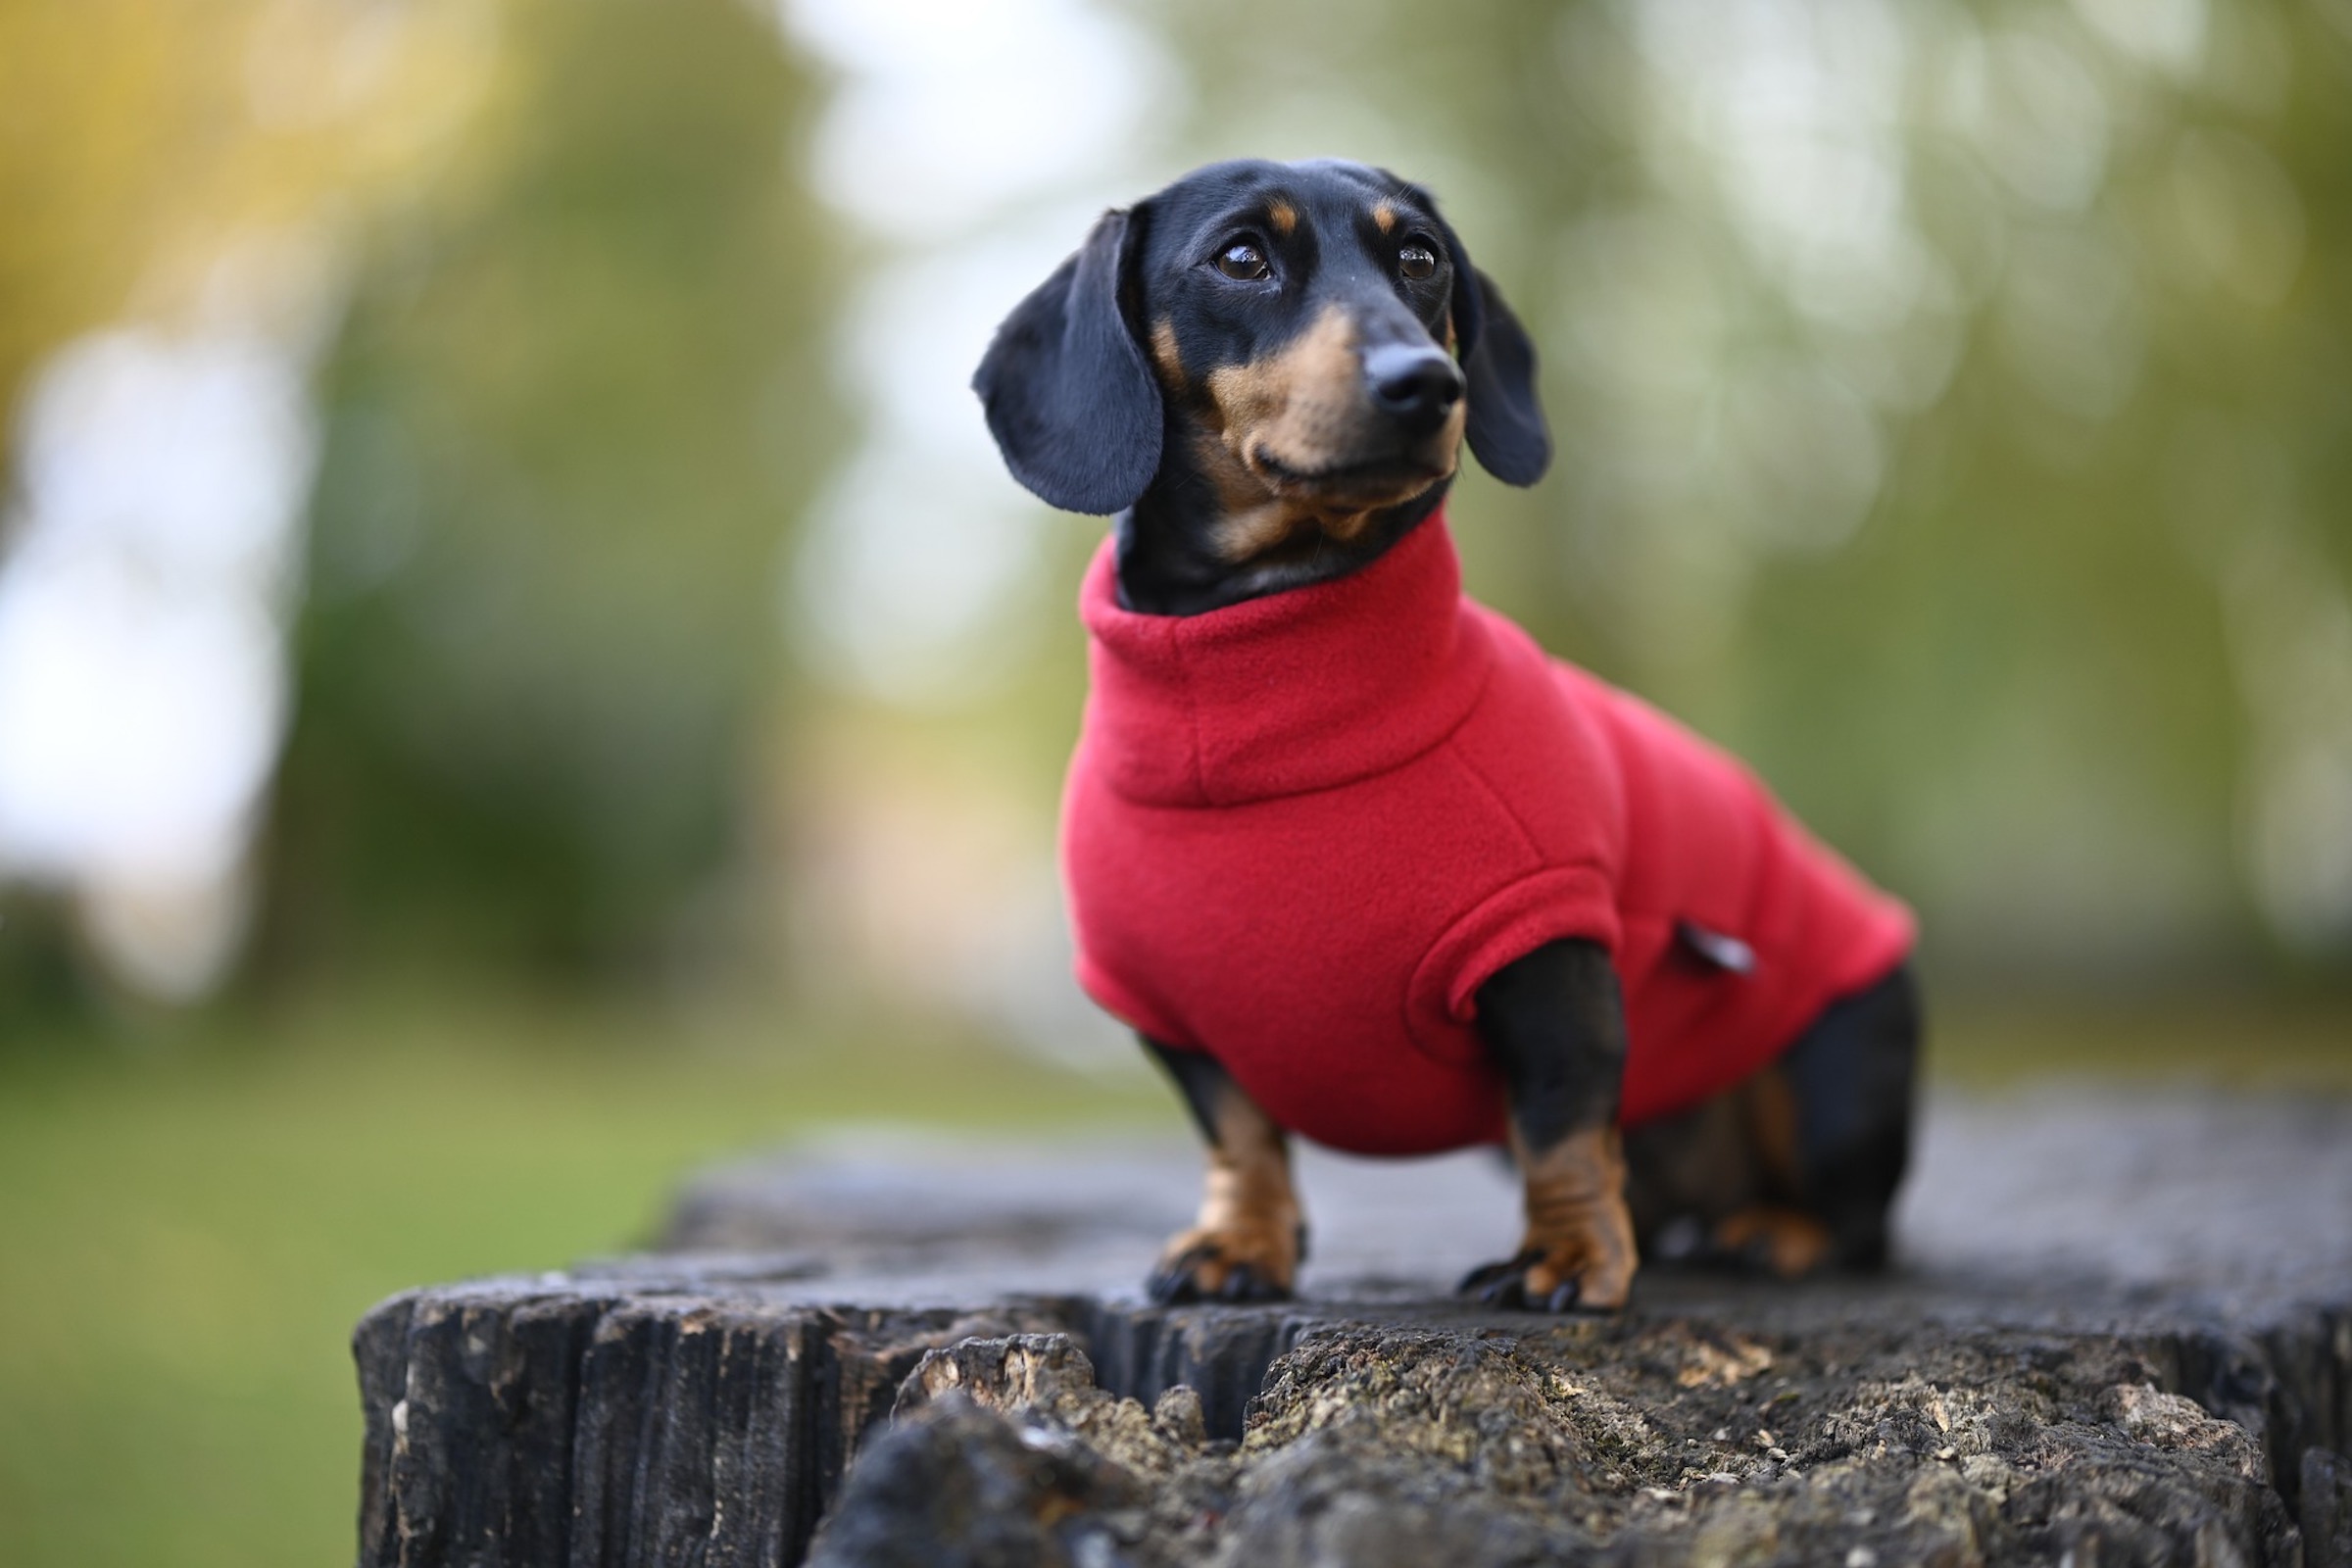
(1589, 1270)
(1577, 1251)
(1229, 1265)
(1538, 1279)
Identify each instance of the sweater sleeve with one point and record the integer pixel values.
(1554, 904)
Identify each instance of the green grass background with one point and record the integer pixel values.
(189, 1226)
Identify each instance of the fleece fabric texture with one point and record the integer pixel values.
(1299, 833)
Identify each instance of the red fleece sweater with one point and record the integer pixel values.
(1302, 831)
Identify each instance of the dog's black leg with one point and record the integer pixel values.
(1795, 1170)
(1853, 1076)
(1249, 1237)
(1555, 1023)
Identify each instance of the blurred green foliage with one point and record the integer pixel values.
(110, 146)
(1954, 405)
(576, 403)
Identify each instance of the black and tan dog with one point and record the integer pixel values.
(1267, 372)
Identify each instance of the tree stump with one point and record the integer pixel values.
(2121, 1333)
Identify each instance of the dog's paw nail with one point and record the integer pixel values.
(1488, 1275)
(1240, 1282)
(1174, 1285)
(1561, 1299)
(1479, 1277)
(1176, 1281)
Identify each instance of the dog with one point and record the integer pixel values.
(1357, 859)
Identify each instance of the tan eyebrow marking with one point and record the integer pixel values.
(1282, 216)
(1385, 216)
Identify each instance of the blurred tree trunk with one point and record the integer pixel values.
(576, 404)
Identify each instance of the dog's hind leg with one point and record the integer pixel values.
(1796, 1168)
(1249, 1237)
(1852, 1079)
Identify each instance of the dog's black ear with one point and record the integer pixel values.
(1069, 396)
(1506, 429)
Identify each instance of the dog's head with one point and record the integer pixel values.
(1307, 345)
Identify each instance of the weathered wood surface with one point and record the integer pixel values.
(2122, 1331)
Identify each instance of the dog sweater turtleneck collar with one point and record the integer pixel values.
(1302, 690)
(1302, 831)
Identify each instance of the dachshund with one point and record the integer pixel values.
(1357, 859)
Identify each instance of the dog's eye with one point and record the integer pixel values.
(1417, 262)
(1242, 262)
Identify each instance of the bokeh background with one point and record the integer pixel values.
(520, 671)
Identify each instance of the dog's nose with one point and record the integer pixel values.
(1417, 383)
